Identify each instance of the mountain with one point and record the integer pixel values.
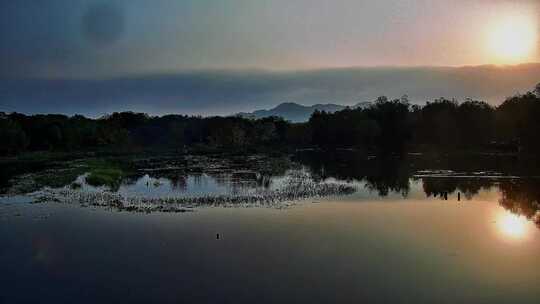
(296, 112)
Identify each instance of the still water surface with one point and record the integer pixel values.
(378, 245)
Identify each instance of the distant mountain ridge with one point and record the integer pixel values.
(296, 112)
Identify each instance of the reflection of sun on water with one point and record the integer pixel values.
(512, 225)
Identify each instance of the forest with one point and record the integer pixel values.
(387, 125)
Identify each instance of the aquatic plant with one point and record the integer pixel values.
(75, 186)
(105, 177)
(299, 186)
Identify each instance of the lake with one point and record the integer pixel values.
(309, 228)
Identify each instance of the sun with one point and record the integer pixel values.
(513, 39)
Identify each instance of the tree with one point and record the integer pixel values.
(437, 124)
(475, 120)
(517, 121)
(392, 116)
(12, 138)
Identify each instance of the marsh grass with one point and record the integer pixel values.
(298, 186)
(62, 183)
(57, 174)
(110, 177)
(75, 186)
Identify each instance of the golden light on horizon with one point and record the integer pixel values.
(512, 225)
(513, 39)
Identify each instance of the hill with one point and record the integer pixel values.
(296, 112)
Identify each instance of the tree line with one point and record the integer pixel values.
(388, 125)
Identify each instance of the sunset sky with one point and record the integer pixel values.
(95, 40)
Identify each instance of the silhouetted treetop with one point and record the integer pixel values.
(387, 125)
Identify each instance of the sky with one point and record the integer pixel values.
(56, 54)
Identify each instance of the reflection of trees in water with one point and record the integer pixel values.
(197, 179)
(383, 175)
(522, 197)
(389, 176)
(221, 179)
(238, 182)
(227, 181)
(264, 181)
(178, 182)
(177, 179)
(437, 186)
(131, 179)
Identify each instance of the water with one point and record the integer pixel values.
(192, 185)
(395, 240)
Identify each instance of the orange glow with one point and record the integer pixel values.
(512, 39)
(512, 225)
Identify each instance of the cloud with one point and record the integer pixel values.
(104, 38)
(227, 92)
